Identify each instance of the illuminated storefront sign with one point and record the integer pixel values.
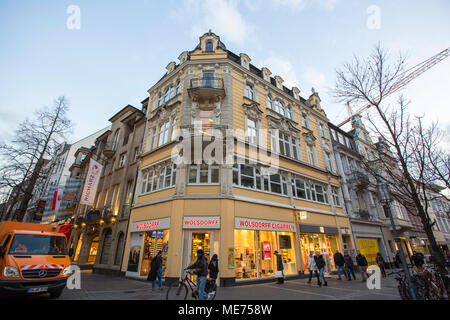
(149, 225)
(201, 222)
(254, 224)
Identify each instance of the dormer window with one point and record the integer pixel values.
(266, 77)
(245, 64)
(209, 46)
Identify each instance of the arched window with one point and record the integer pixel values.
(116, 140)
(119, 248)
(107, 241)
(209, 46)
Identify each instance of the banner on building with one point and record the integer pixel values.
(91, 183)
(61, 201)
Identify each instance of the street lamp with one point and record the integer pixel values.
(385, 197)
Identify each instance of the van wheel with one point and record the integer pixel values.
(56, 294)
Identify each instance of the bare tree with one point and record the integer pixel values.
(405, 161)
(22, 160)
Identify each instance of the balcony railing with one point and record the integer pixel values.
(109, 149)
(206, 88)
(206, 82)
(201, 130)
(360, 179)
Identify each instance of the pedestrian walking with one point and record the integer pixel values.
(156, 271)
(349, 266)
(201, 271)
(339, 262)
(418, 259)
(280, 267)
(320, 263)
(398, 260)
(362, 264)
(326, 257)
(213, 267)
(381, 264)
(312, 267)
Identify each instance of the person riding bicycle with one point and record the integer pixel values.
(201, 271)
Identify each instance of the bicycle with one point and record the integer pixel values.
(179, 290)
(403, 286)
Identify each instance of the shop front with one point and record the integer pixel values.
(369, 240)
(202, 232)
(324, 240)
(147, 239)
(254, 244)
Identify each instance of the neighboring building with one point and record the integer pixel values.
(236, 209)
(54, 175)
(100, 230)
(360, 197)
(50, 176)
(438, 210)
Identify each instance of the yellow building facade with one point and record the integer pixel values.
(238, 165)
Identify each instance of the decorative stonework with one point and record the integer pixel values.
(252, 111)
(283, 124)
(310, 139)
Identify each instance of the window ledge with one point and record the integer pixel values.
(262, 191)
(150, 192)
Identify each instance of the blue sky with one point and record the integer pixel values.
(123, 47)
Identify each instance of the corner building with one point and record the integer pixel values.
(236, 209)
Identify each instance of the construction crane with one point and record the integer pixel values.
(410, 75)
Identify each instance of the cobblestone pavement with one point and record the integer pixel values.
(102, 287)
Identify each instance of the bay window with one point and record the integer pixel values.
(250, 177)
(203, 174)
(154, 180)
(300, 189)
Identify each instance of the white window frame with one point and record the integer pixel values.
(199, 168)
(122, 160)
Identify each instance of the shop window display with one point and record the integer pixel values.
(324, 244)
(154, 241)
(267, 245)
(287, 251)
(245, 254)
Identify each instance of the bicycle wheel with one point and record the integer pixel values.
(177, 291)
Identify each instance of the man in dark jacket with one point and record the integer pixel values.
(156, 271)
(280, 266)
(362, 263)
(418, 259)
(320, 262)
(349, 266)
(201, 271)
(339, 262)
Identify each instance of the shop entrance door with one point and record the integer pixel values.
(199, 240)
(153, 243)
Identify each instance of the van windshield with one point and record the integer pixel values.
(33, 244)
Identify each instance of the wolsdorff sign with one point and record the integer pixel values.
(150, 225)
(201, 222)
(267, 225)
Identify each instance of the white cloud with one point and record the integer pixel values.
(297, 5)
(221, 16)
(315, 78)
(284, 68)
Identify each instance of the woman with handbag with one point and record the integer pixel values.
(279, 273)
